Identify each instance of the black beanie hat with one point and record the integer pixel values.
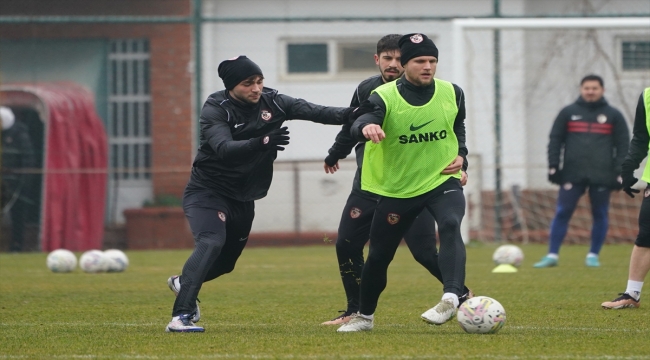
(414, 45)
(235, 70)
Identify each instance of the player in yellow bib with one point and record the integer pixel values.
(412, 127)
(356, 218)
(640, 258)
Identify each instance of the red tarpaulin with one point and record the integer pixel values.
(75, 163)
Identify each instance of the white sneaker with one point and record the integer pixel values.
(183, 323)
(357, 323)
(174, 284)
(441, 313)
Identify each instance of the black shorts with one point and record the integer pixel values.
(643, 239)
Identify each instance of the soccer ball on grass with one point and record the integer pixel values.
(481, 315)
(61, 261)
(508, 254)
(117, 260)
(93, 261)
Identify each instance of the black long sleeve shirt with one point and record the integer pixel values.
(640, 139)
(227, 161)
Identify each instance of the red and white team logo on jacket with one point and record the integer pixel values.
(392, 218)
(355, 212)
(416, 39)
(646, 193)
(222, 216)
(266, 115)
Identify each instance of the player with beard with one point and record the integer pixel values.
(241, 134)
(354, 228)
(414, 128)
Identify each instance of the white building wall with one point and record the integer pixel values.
(540, 74)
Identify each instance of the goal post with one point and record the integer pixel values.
(459, 26)
(520, 196)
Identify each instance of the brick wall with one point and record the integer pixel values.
(171, 79)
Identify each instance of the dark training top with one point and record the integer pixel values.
(226, 161)
(595, 139)
(640, 140)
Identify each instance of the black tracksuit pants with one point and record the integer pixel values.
(354, 232)
(392, 219)
(220, 227)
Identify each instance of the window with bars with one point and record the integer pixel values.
(129, 109)
(635, 55)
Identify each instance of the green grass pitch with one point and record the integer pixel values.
(271, 306)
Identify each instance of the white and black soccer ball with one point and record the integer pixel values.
(508, 254)
(117, 260)
(61, 261)
(481, 315)
(93, 261)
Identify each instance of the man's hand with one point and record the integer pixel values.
(628, 181)
(374, 133)
(463, 178)
(454, 167)
(331, 169)
(274, 140)
(617, 184)
(554, 176)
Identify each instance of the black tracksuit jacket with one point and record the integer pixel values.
(593, 138)
(640, 139)
(226, 161)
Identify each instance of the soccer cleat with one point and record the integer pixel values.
(441, 313)
(175, 285)
(466, 296)
(592, 261)
(356, 323)
(622, 302)
(341, 319)
(546, 262)
(183, 323)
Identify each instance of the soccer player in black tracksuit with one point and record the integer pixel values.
(640, 258)
(354, 228)
(593, 138)
(406, 164)
(241, 132)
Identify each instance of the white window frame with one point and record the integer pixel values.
(334, 59)
(620, 39)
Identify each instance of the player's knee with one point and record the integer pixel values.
(379, 258)
(449, 223)
(227, 268)
(348, 248)
(210, 239)
(563, 212)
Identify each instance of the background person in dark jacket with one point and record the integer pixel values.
(354, 228)
(241, 133)
(592, 138)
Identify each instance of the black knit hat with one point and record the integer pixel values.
(414, 45)
(235, 70)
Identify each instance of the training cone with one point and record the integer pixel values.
(504, 268)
